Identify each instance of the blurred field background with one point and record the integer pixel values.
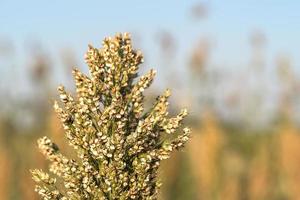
(233, 64)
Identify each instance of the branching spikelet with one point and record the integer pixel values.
(119, 146)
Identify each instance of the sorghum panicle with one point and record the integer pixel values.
(119, 145)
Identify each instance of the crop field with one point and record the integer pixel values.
(229, 131)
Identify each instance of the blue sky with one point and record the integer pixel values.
(75, 23)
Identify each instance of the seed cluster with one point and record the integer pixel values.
(119, 145)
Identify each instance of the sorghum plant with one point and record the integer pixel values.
(119, 145)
